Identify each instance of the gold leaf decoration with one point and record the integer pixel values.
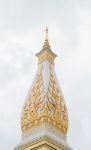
(44, 107)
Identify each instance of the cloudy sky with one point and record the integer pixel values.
(22, 32)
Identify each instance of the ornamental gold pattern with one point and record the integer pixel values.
(46, 55)
(44, 107)
(44, 118)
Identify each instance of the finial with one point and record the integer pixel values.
(46, 33)
(46, 43)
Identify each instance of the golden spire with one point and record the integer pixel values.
(45, 104)
(46, 43)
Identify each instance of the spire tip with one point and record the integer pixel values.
(46, 43)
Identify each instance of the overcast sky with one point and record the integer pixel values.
(22, 32)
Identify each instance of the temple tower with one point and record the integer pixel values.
(44, 120)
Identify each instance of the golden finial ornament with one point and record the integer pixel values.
(46, 33)
(44, 103)
(44, 119)
(46, 43)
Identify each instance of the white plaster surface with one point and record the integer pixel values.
(44, 132)
(46, 74)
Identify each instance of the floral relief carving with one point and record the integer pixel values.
(44, 107)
